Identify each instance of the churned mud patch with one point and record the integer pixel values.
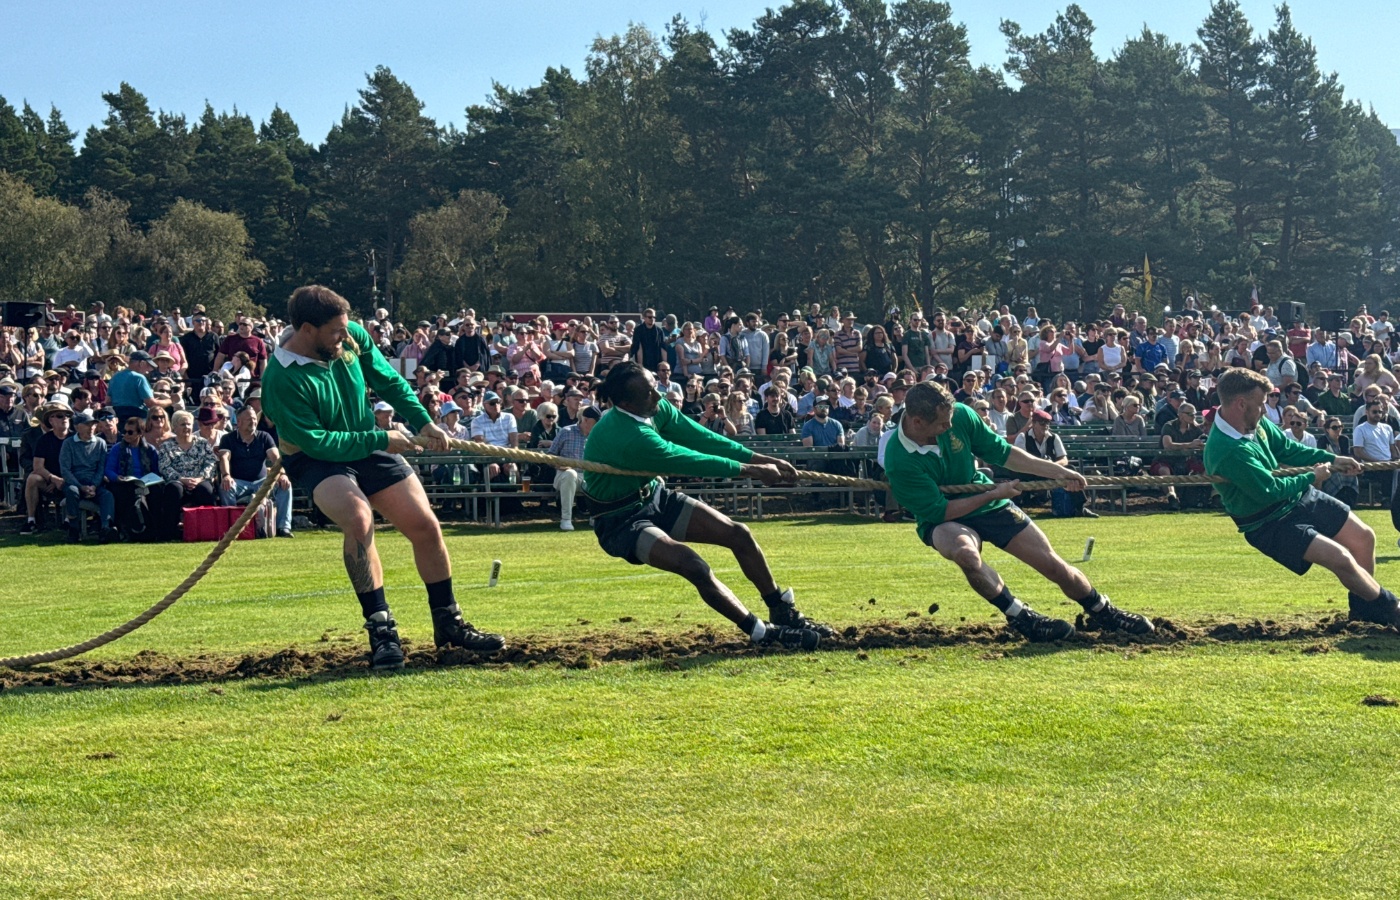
(330, 659)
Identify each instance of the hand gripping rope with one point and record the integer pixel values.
(534, 456)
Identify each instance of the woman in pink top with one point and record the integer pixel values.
(526, 354)
(166, 343)
(1049, 355)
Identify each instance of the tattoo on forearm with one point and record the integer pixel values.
(357, 566)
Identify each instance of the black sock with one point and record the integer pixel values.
(774, 598)
(1090, 602)
(373, 601)
(752, 624)
(1003, 600)
(440, 594)
(1357, 598)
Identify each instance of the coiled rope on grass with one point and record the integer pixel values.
(532, 456)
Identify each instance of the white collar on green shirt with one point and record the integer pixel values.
(1230, 431)
(288, 358)
(643, 419)
(916, 448)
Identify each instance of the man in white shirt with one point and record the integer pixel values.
(1374, 441)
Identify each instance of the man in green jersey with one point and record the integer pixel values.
(313, 390)
(1286, 517)
(646, 523)
(938, 442)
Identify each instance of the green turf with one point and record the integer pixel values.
(1246, 770)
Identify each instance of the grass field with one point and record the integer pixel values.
(1190, 770)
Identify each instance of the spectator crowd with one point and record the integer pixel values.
(135, 417)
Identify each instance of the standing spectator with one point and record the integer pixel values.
(243, 458)
(755, 344)
(585, 351)
(613, 345)
(649, 341)
(471, 350)
(82, 462)
(187, 462)
(200, 348)
(917, 349)
(878, 355)
(243, 339)
(848, 343)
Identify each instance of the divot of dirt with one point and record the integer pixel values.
(108, 754)
(1372, 700)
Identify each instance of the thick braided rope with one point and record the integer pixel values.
(168, 601)
(865, 484)
(532, 456)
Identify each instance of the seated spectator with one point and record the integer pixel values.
(82, 460)
(1129, 422)
(997, 412)
(243, 458)
(187, 461)
(821, 430)
(1059, 408)
(775, 417)
(869, 435)
(212, 424)
(1293, 396)
(498, 429)
(713, 416)
(1039, 441)
(1345, 488)
(1099, 410)
(1375, 441)
(569, 444)
(142, 509)
(46, 477)
(450, 420)
(1295, 427)
(736, 410)
(983, 410)
(1183, 440)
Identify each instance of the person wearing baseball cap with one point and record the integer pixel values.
(314, 389)
(83, 464)
(130, 390)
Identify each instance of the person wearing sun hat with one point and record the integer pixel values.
(46, 478)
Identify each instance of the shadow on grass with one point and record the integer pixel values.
(1378, 647)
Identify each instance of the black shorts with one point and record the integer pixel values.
(1286, 540)
(998, 527)
(373, 474)
(631, 536)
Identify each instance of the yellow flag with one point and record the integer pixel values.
(1146, 281)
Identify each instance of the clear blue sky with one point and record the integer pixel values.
(311, 56)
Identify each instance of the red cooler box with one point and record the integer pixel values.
(209, 523)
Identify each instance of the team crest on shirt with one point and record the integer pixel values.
(955, 443)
